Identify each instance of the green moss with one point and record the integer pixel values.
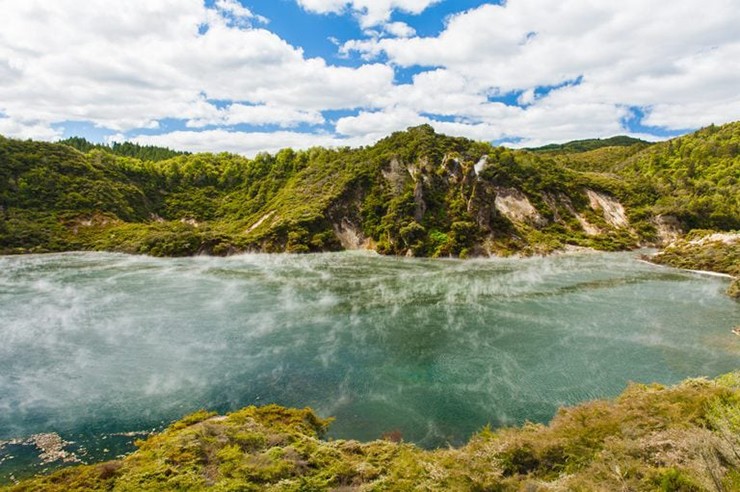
(672, 480)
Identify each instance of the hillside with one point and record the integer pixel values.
(697, 177)
(413, 193)
(586, 145)
(702, 250)
(651, 437)
(126, 149)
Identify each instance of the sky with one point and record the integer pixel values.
(247, 76)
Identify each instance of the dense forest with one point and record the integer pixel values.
(413, 193)
(126, 149)
(682, 438)
(590, 144)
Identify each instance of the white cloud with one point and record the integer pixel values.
(399, 29)
(24, 130)
(369, 12)
(527, 97)
(380, 123)
(239, 11)
(692, 115)
(236, 114)
(128, 66)
(681, 55)
(323, 6)
(245, 143)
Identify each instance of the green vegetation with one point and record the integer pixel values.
(695, 178)
(591, 144)
(126, 149)
(601, 160)
(412, 193)
(651, 437)
(705, 250)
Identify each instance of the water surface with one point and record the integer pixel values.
(96, 344)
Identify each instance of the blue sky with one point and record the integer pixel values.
(252, 75)
(313, 32)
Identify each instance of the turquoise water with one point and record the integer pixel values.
(93, 344)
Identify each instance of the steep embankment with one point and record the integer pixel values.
(413, 193)
(650, 438)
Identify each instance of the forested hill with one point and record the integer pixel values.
(591, 144)
(127, 149)
(413, 193)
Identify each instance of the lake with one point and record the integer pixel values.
(97, 347)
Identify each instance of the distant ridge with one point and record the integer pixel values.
(590, 144)
(125, 149)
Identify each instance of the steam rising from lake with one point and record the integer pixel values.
(93, 344)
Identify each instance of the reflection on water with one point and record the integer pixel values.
(98, 344)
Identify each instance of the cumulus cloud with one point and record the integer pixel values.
(28, 129)
(258, 115)
(127, 67)
(399, 29)
(239, 12)
(380, 123)
(532, 71)
(666, 62)
(369, 12)
(246, 143)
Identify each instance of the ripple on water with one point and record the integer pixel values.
(95, 343)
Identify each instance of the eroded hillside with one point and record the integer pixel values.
(413, 193)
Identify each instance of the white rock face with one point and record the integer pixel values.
(259, 222)
(612, 210)
(588, 228)
(724, 237)
(668, 228)
(350, 236)
(395, 175)
(515, 206)
(190, 222)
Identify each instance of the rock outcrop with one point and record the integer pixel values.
(612, 210)
(515, 205)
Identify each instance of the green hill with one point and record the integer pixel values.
(697, 177)
(590, 144)
(413, 193)
(650, 438)
(126, 149)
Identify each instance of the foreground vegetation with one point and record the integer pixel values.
(651, 437)
(708, 251)
(413, 193)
